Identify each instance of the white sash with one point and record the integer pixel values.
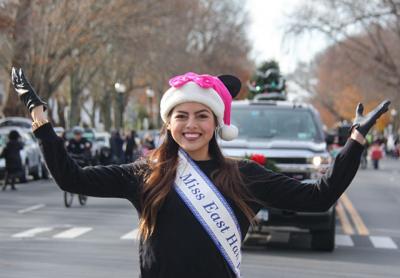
(211, 209)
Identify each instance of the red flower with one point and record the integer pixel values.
(259, 158)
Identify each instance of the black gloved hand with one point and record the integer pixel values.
(25, 91)
(364, 123)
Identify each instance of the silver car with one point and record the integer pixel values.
(16, 122)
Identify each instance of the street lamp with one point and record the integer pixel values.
(150, 95)
(121, 89)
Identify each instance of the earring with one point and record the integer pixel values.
(216, 131)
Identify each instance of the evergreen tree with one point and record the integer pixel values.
(267, 79)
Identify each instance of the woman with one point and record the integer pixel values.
(11, 154)
(195, 205)
(376, 153)
(147, 144)
(131, 148)
(116, 144)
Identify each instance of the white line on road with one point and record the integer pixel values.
(131, 235)
(344, 240)
(31, 208)
(73, 232)
(383, 242)
(32, 232)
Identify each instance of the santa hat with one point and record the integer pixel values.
(215, 92)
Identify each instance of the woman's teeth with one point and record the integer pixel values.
(191, 135)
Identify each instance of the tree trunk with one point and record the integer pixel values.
(21, 34)
(105, 110)
(50, 115)
(93, 114)
(60, 113)
(75, 110)
(118, 110)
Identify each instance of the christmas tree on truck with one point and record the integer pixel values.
(267, 82)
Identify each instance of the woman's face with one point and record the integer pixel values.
(192, 126)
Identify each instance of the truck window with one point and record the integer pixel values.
(269, 123)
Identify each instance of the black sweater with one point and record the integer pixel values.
(180, 247)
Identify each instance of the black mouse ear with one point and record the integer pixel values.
(232, 83)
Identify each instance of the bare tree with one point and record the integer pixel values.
(93, 44)
(369, 32)
(20, 44)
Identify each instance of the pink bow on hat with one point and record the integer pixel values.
(206, 81)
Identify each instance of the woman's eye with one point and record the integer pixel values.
(179, 116)
(203, 116)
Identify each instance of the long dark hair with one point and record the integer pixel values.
(163, 163)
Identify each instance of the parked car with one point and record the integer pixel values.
(291, 135)
(16, 122)
(31, 156)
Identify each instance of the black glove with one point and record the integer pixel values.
(25, 91)
(364, 123)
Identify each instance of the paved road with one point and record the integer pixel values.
(39, 237)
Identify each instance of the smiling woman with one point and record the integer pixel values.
(192, 126)
(195, 205)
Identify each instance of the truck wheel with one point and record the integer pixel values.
(324, 240)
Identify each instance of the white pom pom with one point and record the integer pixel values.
(228, 133)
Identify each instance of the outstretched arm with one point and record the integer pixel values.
(279, 191)
(119, 181)
(99, 181)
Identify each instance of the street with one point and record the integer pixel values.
(39, 237)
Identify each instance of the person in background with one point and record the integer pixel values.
(105, 157)
(376, 153)
(131, 147)
(364, 156)
(397, 146)
(117, 144)
(147, 144)
(334, 148)
(11, 154)
(79, 145)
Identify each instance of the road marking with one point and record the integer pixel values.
(28, 209)
(32, 232)
(379, 242)
(344, 220)
(132, 235)
(73, 232)
(343, 240)
(360, 226)
(383, 242)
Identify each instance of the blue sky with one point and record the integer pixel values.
(267, 18)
